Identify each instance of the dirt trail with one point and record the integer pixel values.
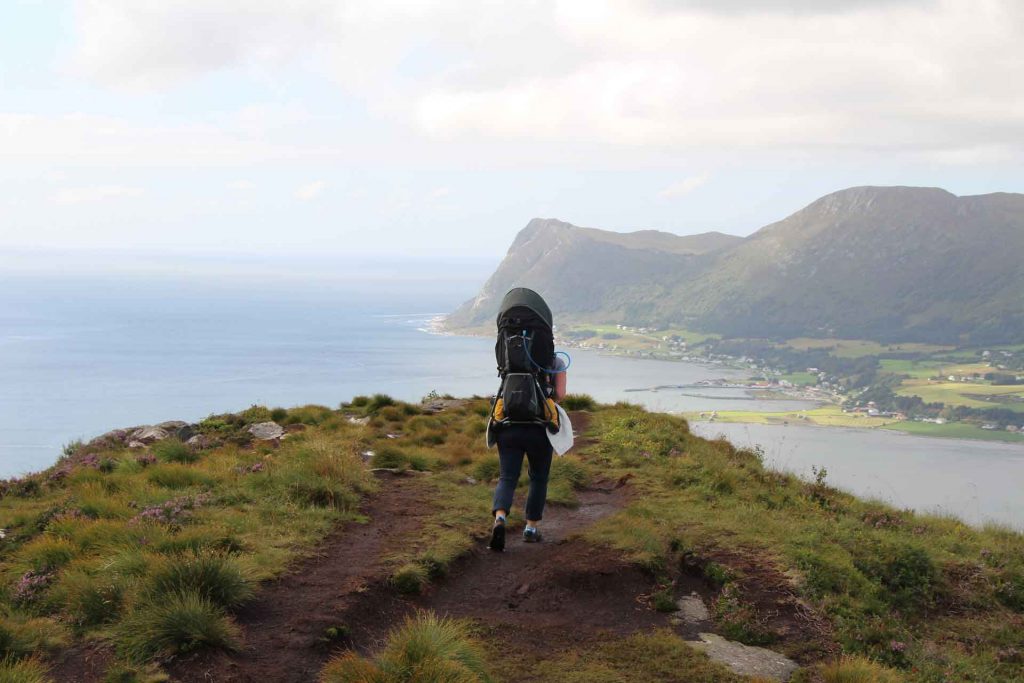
(553, 585)
(285, 626)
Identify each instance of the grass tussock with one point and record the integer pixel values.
(174, 450)
(176, 624)
(424, 648)
(23, 671)
(213, 576)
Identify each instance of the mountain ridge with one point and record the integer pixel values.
(886, 263)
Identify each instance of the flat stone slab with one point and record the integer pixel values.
(692, 610)
(746, 660)
(266, 431)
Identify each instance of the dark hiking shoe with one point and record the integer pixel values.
(497, 535)
(532, 536)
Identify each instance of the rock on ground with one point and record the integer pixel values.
(692, 609)
(266, 431)
(149, 434)
(746, 660)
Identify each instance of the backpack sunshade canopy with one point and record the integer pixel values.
(521, 297)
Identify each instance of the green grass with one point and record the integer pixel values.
(23, 671)
(801, 379)
(176, 624)
(956, 430)
(881, 575)
(859, 348)
(425, 648)
(153, 559)
(962, 393)
(658, 656)
(215, 577)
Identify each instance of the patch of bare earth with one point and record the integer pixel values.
(773, 602)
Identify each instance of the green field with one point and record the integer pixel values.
(959, 393)
(800, 378)
(825, 416)
(858, 348)
(955, 430)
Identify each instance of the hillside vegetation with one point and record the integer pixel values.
(889, 264)
(133, 560)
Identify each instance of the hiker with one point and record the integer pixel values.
(525, 419)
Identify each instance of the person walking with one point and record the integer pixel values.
(525, 413)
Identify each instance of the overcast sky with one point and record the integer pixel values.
(440, 128)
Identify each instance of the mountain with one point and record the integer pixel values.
(883, 263)
(586, 273)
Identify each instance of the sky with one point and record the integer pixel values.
(437, 129)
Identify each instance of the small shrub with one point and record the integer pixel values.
(360, 401)
(255, 414)
(391, 458)
(578, 402)
(716, 574)
(377, 402)
(906, 572)
(410, 578)
(1010, 591)
(663, 600)
(211, 576)
(23, 671)
(174, 450)
(176, 624)
(279, 414)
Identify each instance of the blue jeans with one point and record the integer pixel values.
(515, 442)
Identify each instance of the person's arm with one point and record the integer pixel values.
(560, 384)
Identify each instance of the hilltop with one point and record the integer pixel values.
(347, 545)
(890, 264)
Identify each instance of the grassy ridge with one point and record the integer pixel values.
(152, 551)
(927, 595)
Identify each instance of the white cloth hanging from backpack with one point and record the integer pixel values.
(562, 440)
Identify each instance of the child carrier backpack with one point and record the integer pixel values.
(525, 352)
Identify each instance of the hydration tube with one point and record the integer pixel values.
(568, 359)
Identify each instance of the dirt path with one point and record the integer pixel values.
(284, 628)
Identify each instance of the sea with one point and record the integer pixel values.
(85, 352)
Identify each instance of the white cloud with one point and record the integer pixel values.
(310, 191)
(440, 193)
(915, 77)
(96, 193)
(241, 185)
(684, 186)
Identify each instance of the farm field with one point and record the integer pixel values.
(824, 416)
(858, 348)
(970, 394)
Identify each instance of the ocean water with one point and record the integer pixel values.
(83, 354)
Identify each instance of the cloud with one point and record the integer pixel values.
(440, 193)
(241, 185)
(310, 191)
(822, 77)
(97, 193)
(684, 186)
